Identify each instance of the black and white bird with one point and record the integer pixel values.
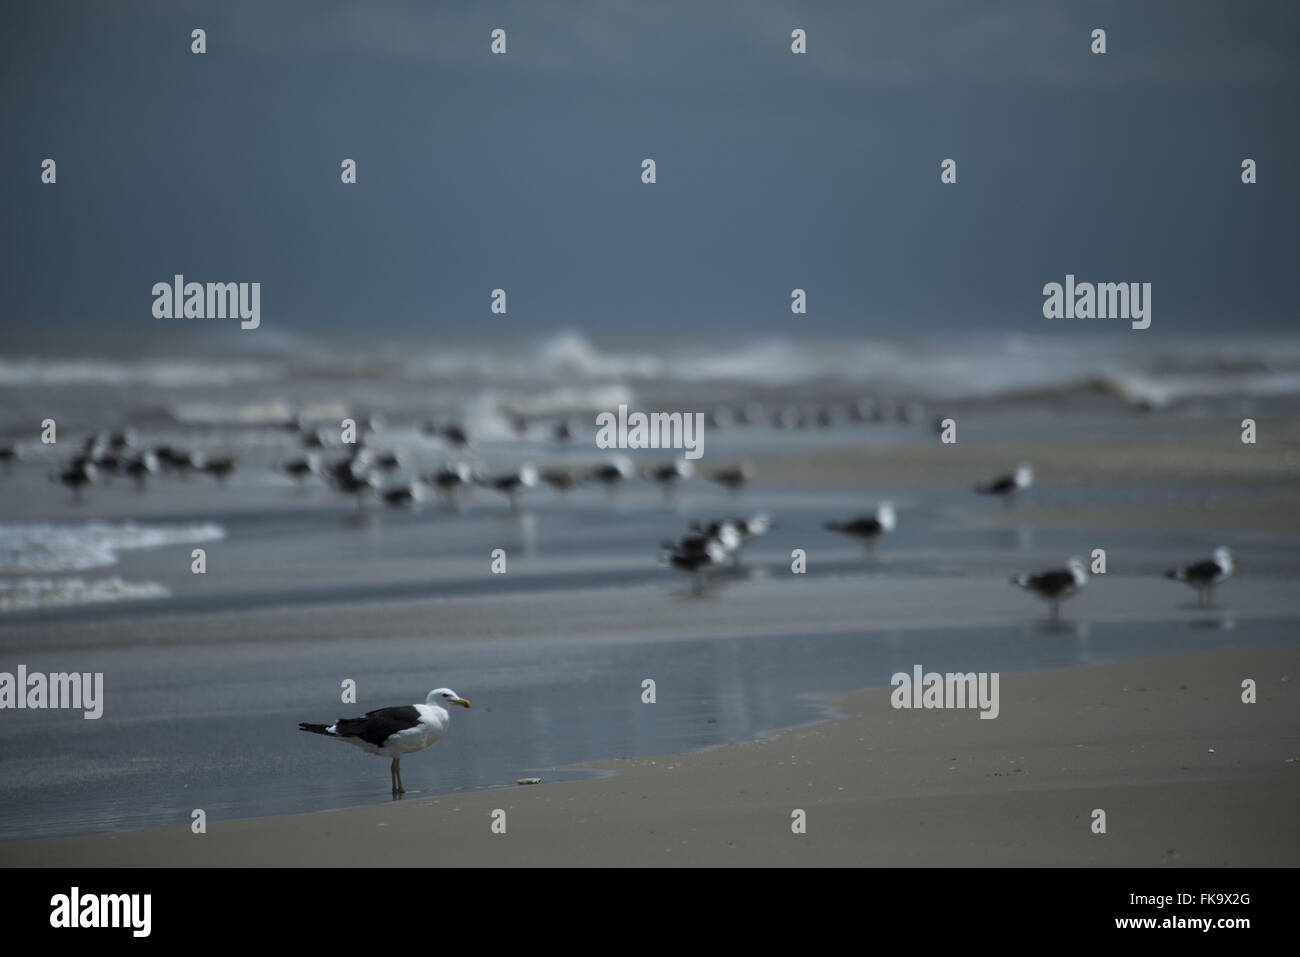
(734, 479)
(451, 433)
(387, 462)
(560, 479)
(1009, 486)
(1056, 585)
(612, 473)
(724, 533)
(141, 467)
(510, 484)
(408, 495)
(393, 732)
(670, 475)
(301, 469)
(868, 529)
(77, 476)
(219, 468)
(746, 529)
(1203, 576)
(450, 480)
(699, 556)
(315, 439)
(121, 440)
(352, 476)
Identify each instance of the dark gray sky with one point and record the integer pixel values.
(775, 171)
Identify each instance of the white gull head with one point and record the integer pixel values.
(443, 697)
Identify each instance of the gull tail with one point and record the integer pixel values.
(315, 728)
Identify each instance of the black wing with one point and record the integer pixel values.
(377, 726)
(1052, 583)
(1202, 571)
(858, 526)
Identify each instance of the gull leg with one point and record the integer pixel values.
(1056, 611)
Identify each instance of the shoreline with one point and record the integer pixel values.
(1187, 774)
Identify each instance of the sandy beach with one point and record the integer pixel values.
(1187, 774)
(205, 687)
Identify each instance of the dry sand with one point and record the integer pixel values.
(1186, 773)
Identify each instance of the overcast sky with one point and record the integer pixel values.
(775, 171)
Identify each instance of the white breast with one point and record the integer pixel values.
(433, 724)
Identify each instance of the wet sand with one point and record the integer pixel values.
(302, 592)
(1186, 773)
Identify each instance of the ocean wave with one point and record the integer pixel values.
(30, 594)
(158, 373)
(569, 371)
(39, 547)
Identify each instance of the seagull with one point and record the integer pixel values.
(829, 415)
(1008, 486)
(1203, 576)
(299, 469)
(559, 479)
(669, 476)
(450, 479)
(612, 473)
(868, 528)
(724, 533)
(720, 418)
(510, 484)
(734, 478)
(451, 433)
(121, 440)
(219, 468)
(697, 555)
(77, 476)
(753, 527)
(108, 463)
(178, 460)
(395, 731)
(409, 495)
(353, 477)
(9, 455)
(1055, 586)
(141, 467)
(388, 462)
(863, 410)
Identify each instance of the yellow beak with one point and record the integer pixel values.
(464, 701)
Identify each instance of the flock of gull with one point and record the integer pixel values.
(713, 548)
(709, 552)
